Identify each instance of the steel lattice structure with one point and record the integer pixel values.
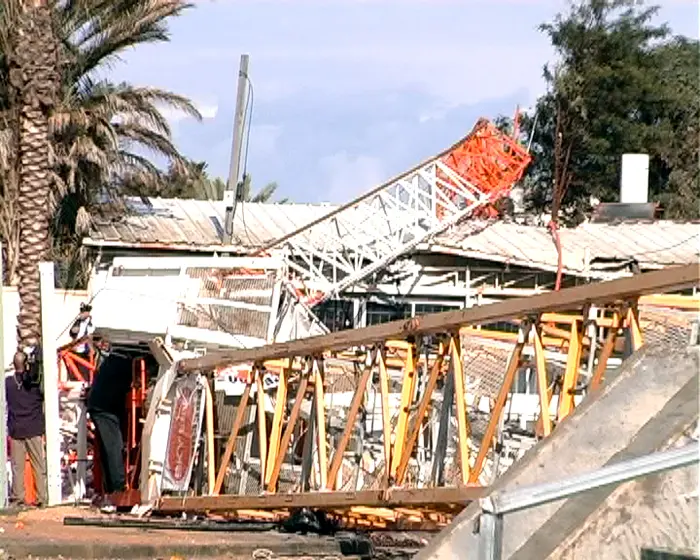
(424, 361)
(365, 236)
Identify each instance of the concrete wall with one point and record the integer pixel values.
(66, 306)
(655, 512)
(648, 402)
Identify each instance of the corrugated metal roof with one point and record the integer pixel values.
(652, 244)
(199, 225)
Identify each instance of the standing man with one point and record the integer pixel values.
(25, 426)
(106, 405)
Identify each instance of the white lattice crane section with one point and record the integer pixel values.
(365, 236)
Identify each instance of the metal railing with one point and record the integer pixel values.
(499, 504)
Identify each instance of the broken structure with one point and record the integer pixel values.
(410, 407)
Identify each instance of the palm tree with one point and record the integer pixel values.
(34, 82)
(65, 135)
(265, 194)
(192, 181)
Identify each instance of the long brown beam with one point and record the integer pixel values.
(660, 281)
(326, 500)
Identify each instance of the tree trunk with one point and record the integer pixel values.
(34, 77)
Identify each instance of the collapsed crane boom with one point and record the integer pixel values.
(365, 236)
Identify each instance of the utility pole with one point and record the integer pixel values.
(231, 193)
(3, 403)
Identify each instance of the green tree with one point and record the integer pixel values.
(621, 84)
(67, 136)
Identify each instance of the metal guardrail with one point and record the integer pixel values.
(499, 504)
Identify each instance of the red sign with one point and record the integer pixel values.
(181, 444)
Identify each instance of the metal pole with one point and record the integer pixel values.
(236, 147)
(494, 507)
(51, 408)
(490, 536)
(3, 404)
(81, 483)
(531, 496)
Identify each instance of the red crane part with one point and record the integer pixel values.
(489, 159)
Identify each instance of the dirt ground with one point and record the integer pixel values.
(41, 534)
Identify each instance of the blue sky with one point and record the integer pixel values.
(348, 93)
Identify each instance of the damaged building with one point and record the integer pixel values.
(169, 283)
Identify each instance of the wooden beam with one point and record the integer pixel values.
(463, 429)
(322, 443)
(235, 428)
(605, 353)
(386, 418)
(262, 425)
(542, 382)
(277, 422)
(325, 500)
(573, 362)
(635, 330)
(691, 303)
(423, 404)
(289, 430)
(508, 378)
(350, 422)
(659, 281)
(407, 391)
(160, 352)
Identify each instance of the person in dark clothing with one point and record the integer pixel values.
(25, 426)
(106, 405)
(82, 328)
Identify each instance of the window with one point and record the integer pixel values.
(427, 308)
(336, 314)
(379, 313)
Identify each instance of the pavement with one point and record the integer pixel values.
(40, 533)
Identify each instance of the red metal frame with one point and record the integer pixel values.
(72, 361)
(489, 159)
(136, 411)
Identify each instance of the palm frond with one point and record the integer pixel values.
(264, 194)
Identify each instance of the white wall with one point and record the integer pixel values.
(67, 305)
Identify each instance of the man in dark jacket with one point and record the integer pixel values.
(106, 405)
(25, 426)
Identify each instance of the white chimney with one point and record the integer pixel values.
(634, 179)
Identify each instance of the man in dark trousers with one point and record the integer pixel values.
(106, 405)
(26, 427)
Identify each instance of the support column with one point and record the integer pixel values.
(50, 378)
(81, 485)
(3, 404)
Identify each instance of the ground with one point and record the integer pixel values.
(42, 534)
